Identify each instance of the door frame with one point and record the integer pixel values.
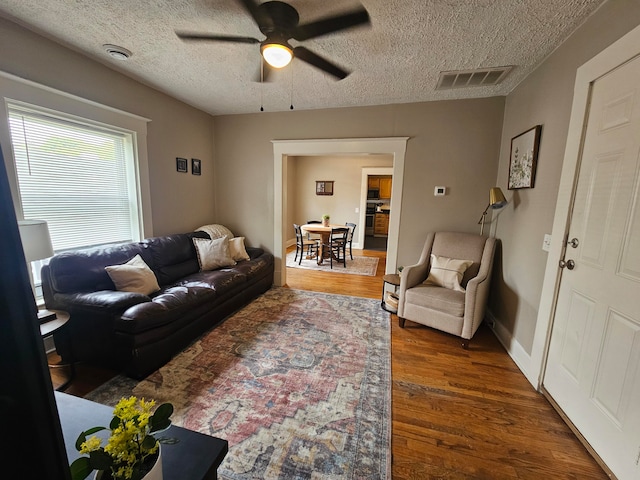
(282, 149)
(623, 50)
(364, 187)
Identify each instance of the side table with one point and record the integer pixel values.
(391, 279)
(47, 329)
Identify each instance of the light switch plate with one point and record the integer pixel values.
(440, 191)
(546, 243)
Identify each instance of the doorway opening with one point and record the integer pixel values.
(282, 149)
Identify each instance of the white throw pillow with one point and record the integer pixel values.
(237, 249)
(447, 272)
(213, 254)
(133, 276)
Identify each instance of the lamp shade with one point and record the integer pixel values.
(496, 198)
(36, 241)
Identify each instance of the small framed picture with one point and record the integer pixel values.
(195, 166)
(523, 159)
(324, 187)
(181, 165)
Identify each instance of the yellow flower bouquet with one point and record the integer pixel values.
(131, 449)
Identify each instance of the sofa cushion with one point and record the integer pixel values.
(213, 254)
(442, 299)
(166, 307)
(134, 276)
(220, 281)
(173, 256)
(84, 270)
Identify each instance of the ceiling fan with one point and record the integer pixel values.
(278, 21)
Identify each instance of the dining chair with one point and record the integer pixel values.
(338, 245)
(302, 244)
(352, 229)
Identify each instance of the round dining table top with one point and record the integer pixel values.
(319, 228)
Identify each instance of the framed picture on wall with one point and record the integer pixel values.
(181, 165)
(196, 166)
(324, 187)
(523, 159)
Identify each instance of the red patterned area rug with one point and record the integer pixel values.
(297, 382)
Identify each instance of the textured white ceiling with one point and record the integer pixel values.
(395, 60)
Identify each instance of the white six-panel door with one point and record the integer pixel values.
(593, 367)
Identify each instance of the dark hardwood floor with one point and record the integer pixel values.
(456, 414)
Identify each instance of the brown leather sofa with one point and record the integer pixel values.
(137, 333)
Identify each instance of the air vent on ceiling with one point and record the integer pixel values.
(481, 77)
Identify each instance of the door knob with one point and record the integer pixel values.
(573, 242)
(569, 264)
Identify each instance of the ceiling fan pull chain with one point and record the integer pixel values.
(261, 85)
(291, 95)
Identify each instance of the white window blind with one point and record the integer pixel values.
(78, 177)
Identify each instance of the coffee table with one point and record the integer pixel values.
(194, 457)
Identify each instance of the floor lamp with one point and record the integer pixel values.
(36, 244)
(496, 200)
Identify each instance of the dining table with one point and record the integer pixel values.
(325, 233)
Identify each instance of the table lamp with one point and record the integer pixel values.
(36, 243)
(496, 200)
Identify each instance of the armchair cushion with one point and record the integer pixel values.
(442, 299)
(447, 272)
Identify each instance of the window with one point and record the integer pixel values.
(78, 176)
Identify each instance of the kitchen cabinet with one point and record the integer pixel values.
(381, 224)
(374, 182)
(385, 187)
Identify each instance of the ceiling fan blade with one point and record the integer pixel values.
(330, 25)
(216, 38)
(317, 61)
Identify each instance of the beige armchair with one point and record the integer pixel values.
(459, 306)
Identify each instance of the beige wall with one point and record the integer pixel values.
(452, 143)
(180, 202)
(346, 172)
(545, 98)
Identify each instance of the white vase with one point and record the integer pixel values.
(154, 474)
(325, 222)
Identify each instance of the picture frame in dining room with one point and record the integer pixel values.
(524, 158)
(181, 165)
(324, 187)
(196, 166)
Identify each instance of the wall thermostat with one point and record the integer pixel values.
(440, 191)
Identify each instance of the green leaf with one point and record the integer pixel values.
(100, 460)
(115, 421)
(80, 468)
(149, 442)
(160, 419)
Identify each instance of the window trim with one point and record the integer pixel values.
(31, 94)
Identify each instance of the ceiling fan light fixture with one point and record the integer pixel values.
(276, 54)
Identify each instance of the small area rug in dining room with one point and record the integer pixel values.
(357, 266)
(297, 382)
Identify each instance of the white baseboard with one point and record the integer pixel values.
(517, 353)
